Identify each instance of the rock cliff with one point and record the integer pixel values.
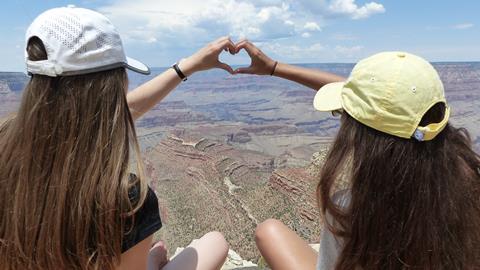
(205, 185)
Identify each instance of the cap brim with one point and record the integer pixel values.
(329, 97)
(137, 66)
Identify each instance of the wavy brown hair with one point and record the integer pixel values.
(64, 172)
(413, 205)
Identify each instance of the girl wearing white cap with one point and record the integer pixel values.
(412, 194)
(68, 199)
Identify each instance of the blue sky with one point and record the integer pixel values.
(160, 32)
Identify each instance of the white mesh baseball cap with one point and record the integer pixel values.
(78, 41)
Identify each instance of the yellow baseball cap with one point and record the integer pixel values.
(390, 92)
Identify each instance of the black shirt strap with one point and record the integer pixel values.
(145, 222)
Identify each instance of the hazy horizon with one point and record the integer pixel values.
(292, 63)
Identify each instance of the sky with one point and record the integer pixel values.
(161, 32)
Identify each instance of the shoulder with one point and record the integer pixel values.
(149, 205)
(330, 244)
(150, 202)
(145, 222)
(137, 256)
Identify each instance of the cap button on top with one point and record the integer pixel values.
(401, 55)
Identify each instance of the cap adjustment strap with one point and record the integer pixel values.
(429, 132)
(44, 67)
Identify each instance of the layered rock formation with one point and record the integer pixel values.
(204, 185)
(8, 99)
(16, 81)
(297, 184)
(4, 89)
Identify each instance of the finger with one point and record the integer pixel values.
(221, 40)
(240, 42)
(247, 70)
(227, 45)
(225, 67)
(247, 46)
(231, 47)
(218, 42)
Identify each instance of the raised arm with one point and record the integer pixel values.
(264, 65)
(146, 96)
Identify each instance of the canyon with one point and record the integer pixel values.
(226, 152)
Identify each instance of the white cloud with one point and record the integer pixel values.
(193, 21)
(311, 26)
(463, 26)
(294, 52)
(310, 53)
(312, 6)
(348, 51)
(173, 29)
(306, 35)
(350, 8)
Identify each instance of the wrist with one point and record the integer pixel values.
(273, 68)
(187, 66)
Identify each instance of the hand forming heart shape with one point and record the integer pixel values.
(208, 57)
(260, 64)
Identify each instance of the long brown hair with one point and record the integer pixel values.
(64, 172)
(412, 205)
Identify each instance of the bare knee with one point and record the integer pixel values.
(217, 240)
(267, 230)
(282, 248)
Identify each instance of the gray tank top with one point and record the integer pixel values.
(331, 245)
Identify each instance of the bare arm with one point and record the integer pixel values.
(264, 65)
(146, 96)
(312, 78)
(136, 257)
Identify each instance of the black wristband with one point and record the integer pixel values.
(179, 72)
(274, 68)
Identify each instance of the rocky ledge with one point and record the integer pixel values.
(235, 262)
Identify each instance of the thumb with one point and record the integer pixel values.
(225, 67)
(247, 70)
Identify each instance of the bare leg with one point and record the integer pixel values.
(282, 248)
(157, 256)
(207, 253)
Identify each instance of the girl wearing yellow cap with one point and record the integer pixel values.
(412, 193)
